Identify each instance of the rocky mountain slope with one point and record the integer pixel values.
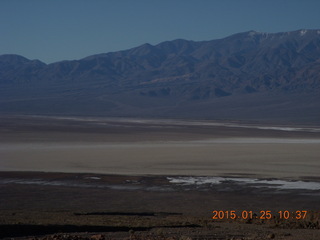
(246, 76)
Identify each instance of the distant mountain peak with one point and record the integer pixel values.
(13, 58)
(169, 76)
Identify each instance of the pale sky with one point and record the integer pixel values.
(55, 30)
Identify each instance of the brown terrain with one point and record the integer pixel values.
(99, 178)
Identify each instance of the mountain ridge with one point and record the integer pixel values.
(171, 76)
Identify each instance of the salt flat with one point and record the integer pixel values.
(140, 166)
(263, 157)
(142, 147)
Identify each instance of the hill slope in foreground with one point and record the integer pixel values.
(247, 76)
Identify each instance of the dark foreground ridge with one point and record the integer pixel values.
(69, 211)
(21, 230)
(127, 214)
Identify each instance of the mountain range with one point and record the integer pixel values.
(246, 76)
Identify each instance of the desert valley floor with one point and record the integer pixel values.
(77, 178)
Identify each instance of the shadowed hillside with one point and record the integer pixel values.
(246, 76)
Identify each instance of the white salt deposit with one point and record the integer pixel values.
(277, 184)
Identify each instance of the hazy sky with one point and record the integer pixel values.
(54, 30)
